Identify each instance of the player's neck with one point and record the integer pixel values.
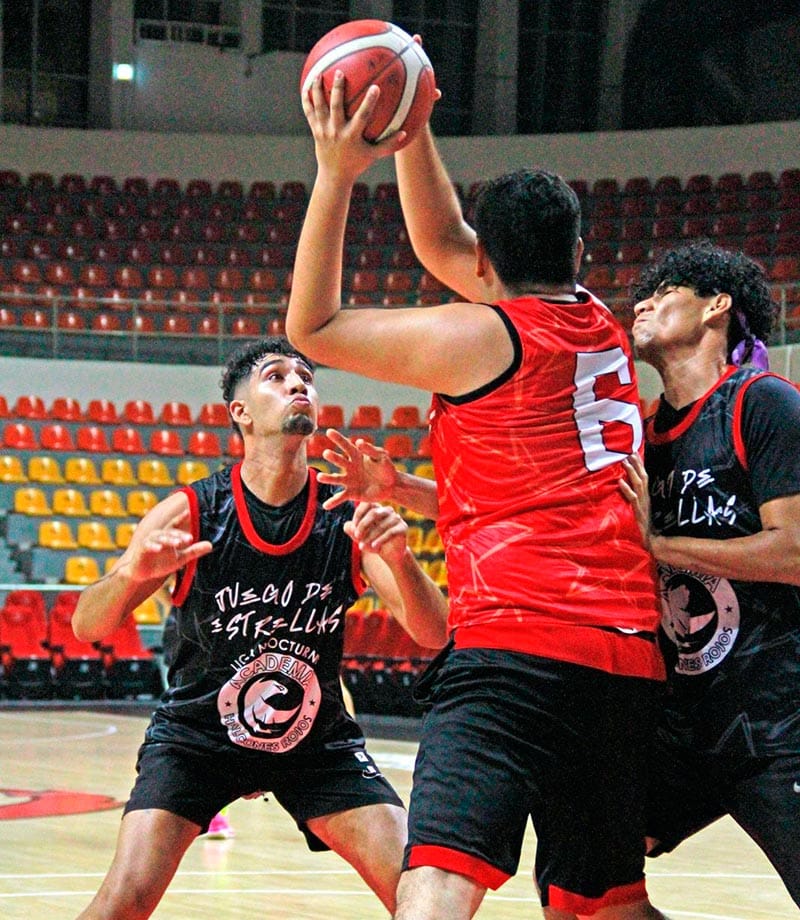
(689, 376)
(275, 477)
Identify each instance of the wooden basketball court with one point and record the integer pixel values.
(51, 865)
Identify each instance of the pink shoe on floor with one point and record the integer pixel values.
(219, 828)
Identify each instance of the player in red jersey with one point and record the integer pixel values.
(543, 705)
(722, 518)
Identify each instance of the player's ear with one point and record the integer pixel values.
(579, 255)
(238, 411)
(718, 306)
(482, 263)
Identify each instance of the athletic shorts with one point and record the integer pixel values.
(512, 735)
(689, 790)
(196, 784)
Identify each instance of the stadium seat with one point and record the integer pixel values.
(102, 411)
(56, 535)
(154, 472)
(118, 471)
(81, 470)
(140, 501)
(19, 436)
(95, 535)
(234, 446)
(29, 407)
(166, 442)
(24, 660)
(78, 669)
(213, 415)
(398, 445)
(366, 416)
(106, 503)
(81, 570)
(45, 469)
(31, 500)
(189, 471)
(131, 669)
(11, 469)
(331, 415)
(56, 437)
(405, 416)
(123, 533)
(127, 440)
(138, 412)
(175, 413)
(92, 438)
(69, 502)
(177, 325)
(202, 443)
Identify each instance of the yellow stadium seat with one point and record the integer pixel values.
(415, 538)
(140, 501)
(433, 545)
(425, 470)
(154, 472)
(81, 570)
(148, 612)
(31, 500)
(56, 535)
(81, 470)
(106, 503)
(118, 471)
(95, 535)
(69, 502)
(190, 471)
(44, 469)
(11, 469)
(123, 533)
(437, 572)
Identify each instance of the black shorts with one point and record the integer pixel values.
(196, 784)
(689, 790)
(511, 736)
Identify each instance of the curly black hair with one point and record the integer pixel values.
(243, 359)
(710, 269)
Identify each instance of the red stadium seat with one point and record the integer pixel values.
(127, 440)
(175, 413)
(66, 409)
(203, 443)
(166, 442)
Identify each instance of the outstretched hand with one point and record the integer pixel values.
(166, 549)
(366, 471)
(636, 492)
(340, 145)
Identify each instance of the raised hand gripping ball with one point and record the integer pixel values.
(371, 51)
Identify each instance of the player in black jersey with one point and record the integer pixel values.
(254, 640)
(719, 506)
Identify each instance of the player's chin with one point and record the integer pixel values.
(299, 424)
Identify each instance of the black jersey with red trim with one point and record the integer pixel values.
(255, 637)
(543, 553)
(732, 647)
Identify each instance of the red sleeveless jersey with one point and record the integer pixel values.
(543, 552)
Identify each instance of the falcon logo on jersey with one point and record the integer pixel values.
(700, 615)
(271, 703)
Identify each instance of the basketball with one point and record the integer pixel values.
(371, 51)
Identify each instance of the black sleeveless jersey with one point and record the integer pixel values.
(254, 640)
(732, 647)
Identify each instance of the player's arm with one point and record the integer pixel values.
(367, 473)
(442, 239)
(161, 544)
(395, 574)
(450, 349)
(772, 554)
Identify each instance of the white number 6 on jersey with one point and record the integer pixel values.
(593, 413)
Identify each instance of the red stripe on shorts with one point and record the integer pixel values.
(578, 904)
(454, 861)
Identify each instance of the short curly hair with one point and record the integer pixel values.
(710, 269)
(243, 359)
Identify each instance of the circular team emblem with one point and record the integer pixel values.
(271, 703)
(700, 615)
